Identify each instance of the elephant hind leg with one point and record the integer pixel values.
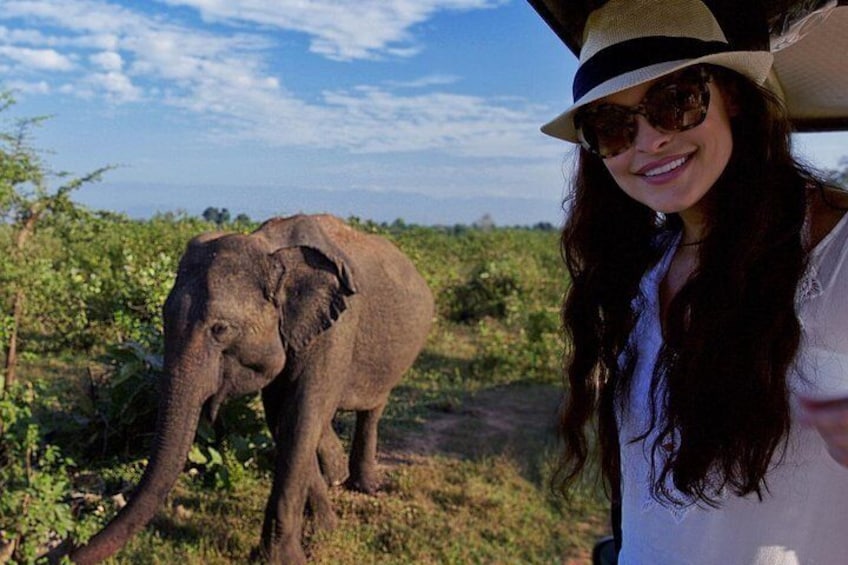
(363, 453)
(318, 504)
(332, 457)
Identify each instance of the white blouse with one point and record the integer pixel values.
(803, 518)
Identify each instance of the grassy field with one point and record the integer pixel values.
(466, 467)
(466, 450)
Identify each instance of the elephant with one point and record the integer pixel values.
(317, 316)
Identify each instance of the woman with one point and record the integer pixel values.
(708, 310)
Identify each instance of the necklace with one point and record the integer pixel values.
(692, 243)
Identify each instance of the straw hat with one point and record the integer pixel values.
(630, 42)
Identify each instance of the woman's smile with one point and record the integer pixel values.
(665, 170)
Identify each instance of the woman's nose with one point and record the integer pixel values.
(648, 138)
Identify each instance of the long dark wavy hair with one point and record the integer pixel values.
(730, 334)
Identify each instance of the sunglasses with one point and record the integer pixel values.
(675, 103)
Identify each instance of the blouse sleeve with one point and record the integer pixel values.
(823, 312)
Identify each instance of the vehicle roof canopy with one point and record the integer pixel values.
(809, 39)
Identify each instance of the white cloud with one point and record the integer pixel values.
(146, 49)
(463, 125)
(39, 87)
(38, 59)
(424, 82)
(116, 86)
(108, 60)
(73, 15)
(340, 29)
(25, 36)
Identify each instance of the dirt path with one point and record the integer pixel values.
(504, 419)
(515, 420)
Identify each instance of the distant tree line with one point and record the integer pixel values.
(221, 216)
(484, 224)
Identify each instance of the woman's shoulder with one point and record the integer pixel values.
(827, 207)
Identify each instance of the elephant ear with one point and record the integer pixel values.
(315, 278)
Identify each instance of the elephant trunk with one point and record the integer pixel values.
(179, 411)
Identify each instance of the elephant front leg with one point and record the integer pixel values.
(283, 525)
(363, 452)
(300, 418)
(319, 504)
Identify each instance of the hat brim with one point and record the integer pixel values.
(753, 64)
(813, 74)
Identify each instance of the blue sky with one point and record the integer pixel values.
(422, 109)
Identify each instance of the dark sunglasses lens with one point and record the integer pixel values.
(680, 105)
(608, 130)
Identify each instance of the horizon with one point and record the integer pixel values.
(430, 103)
(143, 202)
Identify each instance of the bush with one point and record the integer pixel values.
(493, 289)
(124, 402)
(120, 418)
(35, 510)
(97, 278)
(534, 352)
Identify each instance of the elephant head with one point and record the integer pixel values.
(240, 305)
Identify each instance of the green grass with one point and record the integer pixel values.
(444, 510)
(430, 510)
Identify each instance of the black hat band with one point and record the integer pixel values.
(638, 53)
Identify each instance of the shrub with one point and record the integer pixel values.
(35, 511)
(122, 410)
(124, 402)
(533, 352)
(493, 289)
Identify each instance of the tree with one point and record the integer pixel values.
(26, 200)
(210, 214)
(216, 216)
(543, 226)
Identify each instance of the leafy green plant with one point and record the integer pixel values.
(206, 459)
(35, 511)
(492, 289)
(122, 404)
(122, 410)
(533, 352)
(238, 442)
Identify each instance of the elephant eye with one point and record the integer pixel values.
(219, 330)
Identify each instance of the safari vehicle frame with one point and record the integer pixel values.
(800, 32)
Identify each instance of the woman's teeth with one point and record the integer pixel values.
(666, 168)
